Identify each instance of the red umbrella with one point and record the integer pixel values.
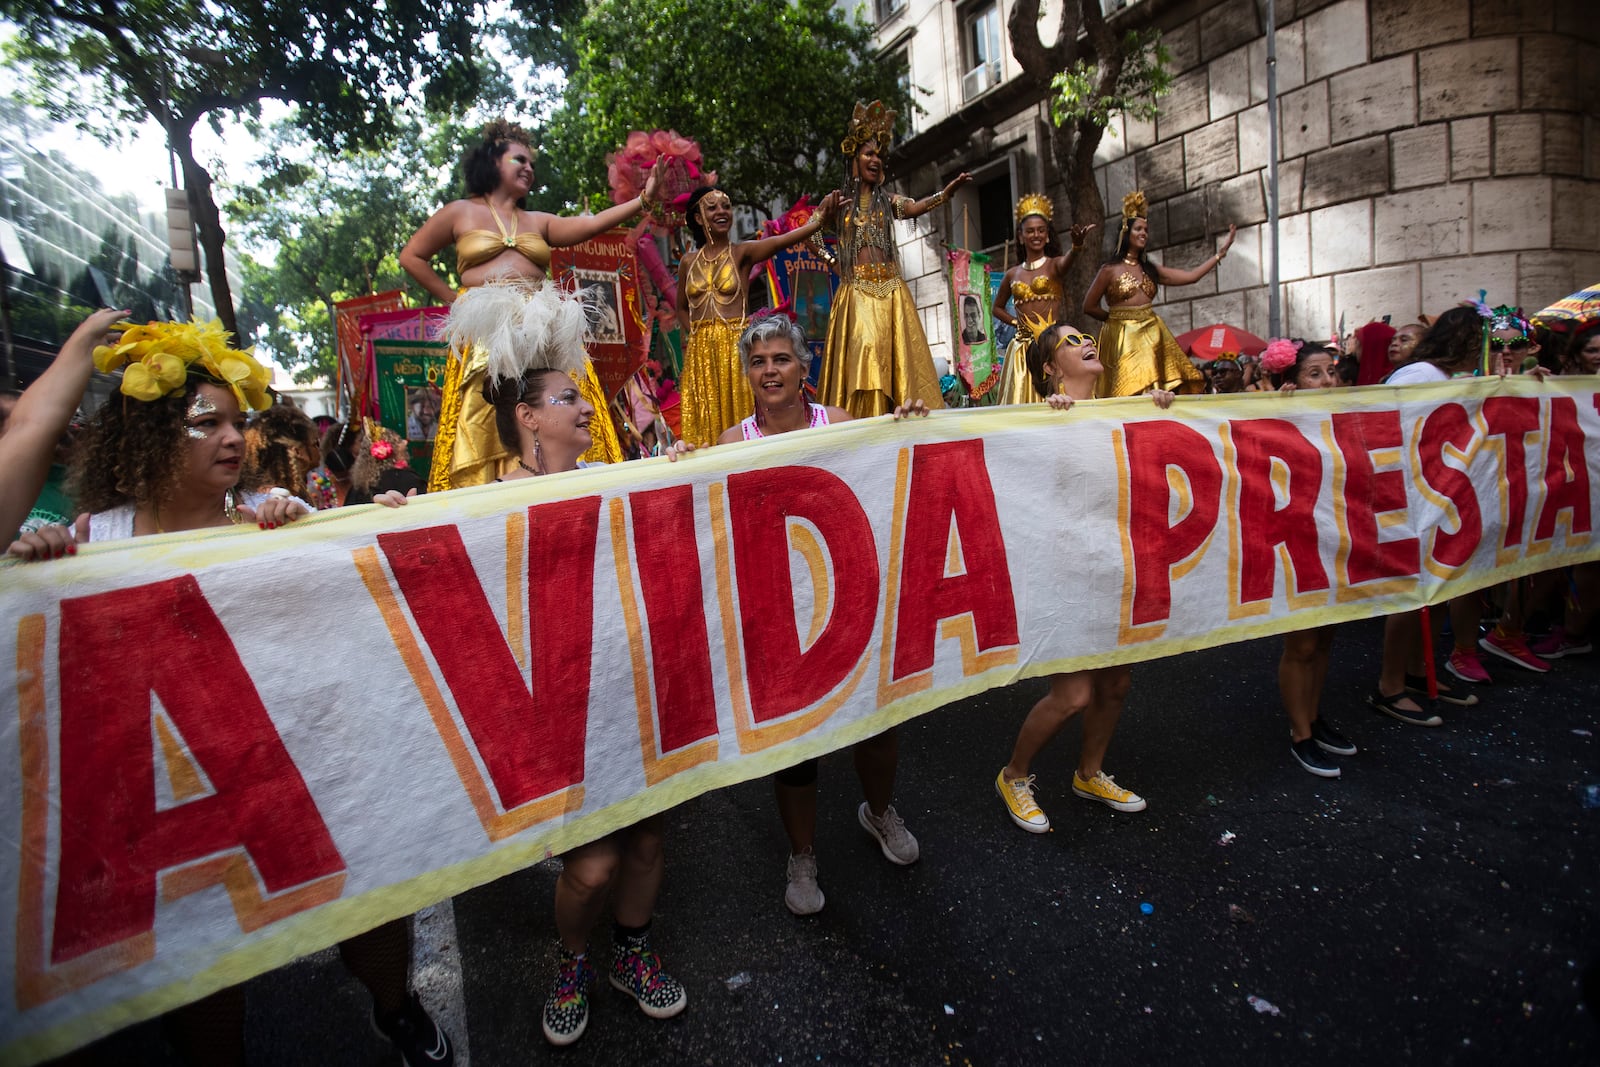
(1209, 342)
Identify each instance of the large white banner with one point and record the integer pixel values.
(227, 750)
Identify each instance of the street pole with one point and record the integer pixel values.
(1274, 301)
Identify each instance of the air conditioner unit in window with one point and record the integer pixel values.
(979, 79)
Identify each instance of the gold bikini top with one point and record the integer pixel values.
(714, 276)
(1044, 287)
(1124, 285)
(477, 247)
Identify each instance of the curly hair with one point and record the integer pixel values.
(130, 452)
(1453, 342)
(276, 445)
(366, 469)
(480, 166)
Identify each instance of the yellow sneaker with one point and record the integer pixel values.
(1102, 788)
(1018, 795)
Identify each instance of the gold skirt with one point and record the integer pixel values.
(1139, 354)
(1016, 384)
(877, 356)
(714, 389)
(468, 449)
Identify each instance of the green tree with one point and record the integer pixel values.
(349, 68)
(766, 89)
(1090, 72)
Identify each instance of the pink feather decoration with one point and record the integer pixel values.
(1279, 356)
(629, 166)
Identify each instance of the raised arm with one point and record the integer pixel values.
(907, 208)
(753, 252)
(1060, 264)
(40, 417)
(1173, 276)
(431, 237)
(1096, 293)
(566, 231)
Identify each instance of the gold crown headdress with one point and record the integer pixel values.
(1134, 206)
(869, 122)
(1035, 204)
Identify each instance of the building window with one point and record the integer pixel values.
(900, 62)
(994, 209)
(980, 39)
(888, 9)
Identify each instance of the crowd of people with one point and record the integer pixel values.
(175, 452)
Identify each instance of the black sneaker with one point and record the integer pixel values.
(1330, 740)
(636, 970)
(1390, 706)
(421, 1041)
(1418, 684)
(566, 1010)
(1312, 759)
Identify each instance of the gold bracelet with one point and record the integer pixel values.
(940, 197)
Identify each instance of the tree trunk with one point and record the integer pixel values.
(208, 226)
(1074, 148)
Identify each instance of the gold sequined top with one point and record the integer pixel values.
(1124, 285)
(1044, 287)
(866, 228)
(711, 280)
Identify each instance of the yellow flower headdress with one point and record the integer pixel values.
(1134, 206)
(870, 122)
(1035, 204)
(157, 358)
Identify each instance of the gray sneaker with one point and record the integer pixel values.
(892, 836)
(803, 896)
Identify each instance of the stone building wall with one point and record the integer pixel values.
(1428, 149)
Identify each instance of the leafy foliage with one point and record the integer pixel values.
(766, 89)
(1145, 75)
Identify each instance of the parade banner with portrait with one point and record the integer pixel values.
(972, 320)
(605, 272)
(410, 375)
(524, 667)
(798, 278)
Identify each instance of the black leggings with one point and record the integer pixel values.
(801, 774)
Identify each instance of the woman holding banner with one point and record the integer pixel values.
(165, 457)
(1063, 366)
(877, 355)
(496, 237)
(776, 359)
(1303, 667)
(1138, 350)
(1033, 287)
(532, 361)
(713, 287)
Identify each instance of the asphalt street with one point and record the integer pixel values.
(1436, 904)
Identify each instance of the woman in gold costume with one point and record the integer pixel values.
(1136, 348)
(713, 286)
(877, 356)
(1034, 288)
(496, 237)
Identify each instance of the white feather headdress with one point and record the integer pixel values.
(520, 327)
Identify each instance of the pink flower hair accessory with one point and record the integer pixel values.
(1280, 355)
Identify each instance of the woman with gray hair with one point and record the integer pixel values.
(775, 357)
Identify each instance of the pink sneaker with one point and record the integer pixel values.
(1464, 664)
(1511, 647)
(1558, 643)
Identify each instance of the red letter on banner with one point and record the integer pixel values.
(116, 649)
(950, 487)
(1566, 471)
(1369, 492)
(1513, 418)
(1157, 546)
(1448, 424)
(782, 678)
(680, 650)
(531, 745)
(1263, 526)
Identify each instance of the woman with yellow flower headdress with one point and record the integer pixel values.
(165, 456)
(1136, 348)
(1033, 287)
(877, 356)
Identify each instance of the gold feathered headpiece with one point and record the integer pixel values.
(869, 122)
(1035, 204)
(1134, 206)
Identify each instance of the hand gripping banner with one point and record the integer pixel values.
(224, 751)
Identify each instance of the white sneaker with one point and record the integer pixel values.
(803, 896)
(890, 831)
